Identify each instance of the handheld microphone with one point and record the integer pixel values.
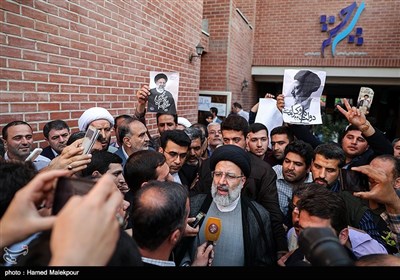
(212, 230)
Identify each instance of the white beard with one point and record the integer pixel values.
(226, 200)
(160, 89)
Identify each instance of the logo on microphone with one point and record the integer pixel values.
(213, 228)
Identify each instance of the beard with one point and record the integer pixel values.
(160, 89)
(225, 200)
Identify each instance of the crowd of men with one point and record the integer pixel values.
(265, 187)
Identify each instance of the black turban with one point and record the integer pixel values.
(233, 154)
(160, 76)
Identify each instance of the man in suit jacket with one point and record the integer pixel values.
(57, 134)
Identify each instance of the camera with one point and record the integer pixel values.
(322, 247)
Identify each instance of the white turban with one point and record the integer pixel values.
(93, 114)
(184, 121)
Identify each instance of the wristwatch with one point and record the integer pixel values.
(364, 127)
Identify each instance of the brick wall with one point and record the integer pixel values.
(59, 58)
(287, 30)
(230, 49)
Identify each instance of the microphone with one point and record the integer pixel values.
(212, 230)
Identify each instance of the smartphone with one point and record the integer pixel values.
(199, 217)
(67, 187)
(353, 181)
(34, 154)
(90, 138)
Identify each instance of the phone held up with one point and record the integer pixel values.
(90, 138)
(34, 154)
(199, 217)
(67, 187)
(353, 181)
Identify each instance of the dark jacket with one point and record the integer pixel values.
(378, 145)
(47, 152)
(261, 187)
(259, 245)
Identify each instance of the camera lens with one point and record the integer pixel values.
(322, 248)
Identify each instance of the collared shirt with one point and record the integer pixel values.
(363, 244)
(54, 152)
(157, 262)
(176, 177)
(40, 162)
(244, 114)
(285, 189)
(112, 149)
(123, 151)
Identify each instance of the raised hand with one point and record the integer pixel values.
(352, 114)
(280, 102)
(381, 188)
(142, 96)
(71, 158)
(86, 230)
(22, 218)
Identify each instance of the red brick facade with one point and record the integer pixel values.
(287, 30)
(59, 58)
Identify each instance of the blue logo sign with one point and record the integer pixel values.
(341, 31)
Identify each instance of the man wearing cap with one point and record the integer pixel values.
(246, 235)
(101, 119)
(161, 100)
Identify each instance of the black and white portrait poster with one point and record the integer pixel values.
(164, 87)
(364, 100)
(302, 90)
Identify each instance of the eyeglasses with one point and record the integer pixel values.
(175, 155)
(228, 176)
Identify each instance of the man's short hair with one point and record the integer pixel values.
(332, 208)
(141, 167)
(237, 105)
(214, 110)
(194, 133)
(57, 125)
(331, 151)
(283, 130)
(301, 148)
(237, 123)
(100, 162)
(13, 123)
(159, 208)
(173, 115)
(256, 127)
(179, 137)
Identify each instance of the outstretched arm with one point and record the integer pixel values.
(87, 225)
(375, 138)
(142, 96)
(22, 218)
(356, 118)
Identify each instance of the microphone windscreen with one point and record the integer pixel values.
(213, 229)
